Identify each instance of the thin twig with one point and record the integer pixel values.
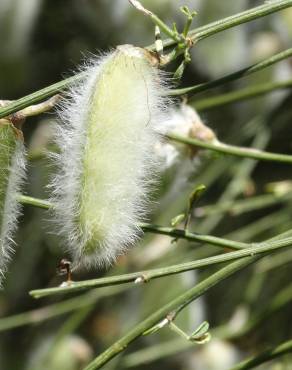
(233, 150)
(168, 231)
(178, 303)
(236, 75)
(240, 95)
(156, 20)
(146, 276)
(172, 347)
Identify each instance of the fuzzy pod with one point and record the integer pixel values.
(107, 161)
(12, 169)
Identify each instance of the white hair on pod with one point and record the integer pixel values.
(107, 162)
(13, 172)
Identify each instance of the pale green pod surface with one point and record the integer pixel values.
(11, 173)
(8, 141)
(107, 159)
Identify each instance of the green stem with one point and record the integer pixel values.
(265, 356)
(233, 150)
(169, 231)
(168, 31)
(236, 75)
(145, 276)
(234, 20)
(35, 202)
(232, 207)
(157, 21)
(172, 347)
(196, 34)
(178, 331)
(240, 95)
(178, 303)
(40, 95)
(184, 234)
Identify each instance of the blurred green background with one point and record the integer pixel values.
(42, 42)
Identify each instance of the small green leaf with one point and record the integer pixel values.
(201, 331)
(196, 194)
(186, 11)
(177, 219)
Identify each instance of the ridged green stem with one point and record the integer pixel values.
(236, 75)
(146, 276)
(232, 150)
(169, 231)
(240, 95)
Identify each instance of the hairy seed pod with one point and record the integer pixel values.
(107, 162)
(12, 168)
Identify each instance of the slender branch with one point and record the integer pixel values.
(249, 15)
(169, 231)
(40, 95)
(175, 346)
(156, 20)
(183, 234)
(265, 356)
(233, 150)
(146, 276)
(239, 18)
(177, 304)
(196, 34)
(240, 95)
(234, 76)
